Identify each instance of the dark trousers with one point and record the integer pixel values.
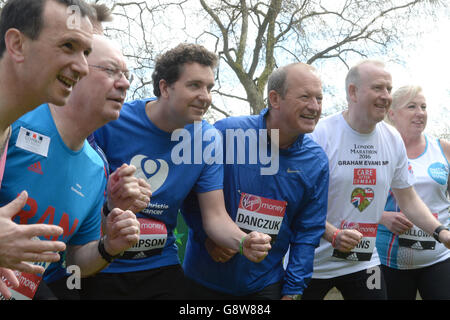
(432, 282)
(61, 290)
(165, 283)
(353, 286)
(196, 291)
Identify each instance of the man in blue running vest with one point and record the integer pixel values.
(66, 178)
(37, 43)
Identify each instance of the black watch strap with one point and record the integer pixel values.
(437, 231)
(105, 255)
(106, 210)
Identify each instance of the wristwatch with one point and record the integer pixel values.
(294, 296)
(105, 255)
(437, 231)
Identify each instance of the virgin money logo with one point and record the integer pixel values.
(251, 202)
(349, 225)
(155, 172)
(367, 229)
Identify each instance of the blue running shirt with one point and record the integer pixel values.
(134, 139)
(65, 187)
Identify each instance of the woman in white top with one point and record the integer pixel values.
(412, 259)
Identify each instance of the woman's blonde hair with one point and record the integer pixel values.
(401, 97)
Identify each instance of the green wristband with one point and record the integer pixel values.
(241, 245)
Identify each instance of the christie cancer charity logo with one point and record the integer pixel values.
(361, 198)
(154, 172)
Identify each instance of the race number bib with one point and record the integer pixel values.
(364, 249)
(152, 240)
(260, 214)
(416, 238)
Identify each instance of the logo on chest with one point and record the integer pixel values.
(438, 172)
(154, 172)
(33, 142)
(365, 176)
(361, 198)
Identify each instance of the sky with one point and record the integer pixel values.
(429, 66)
(425, 62)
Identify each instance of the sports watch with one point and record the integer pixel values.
(437, 231)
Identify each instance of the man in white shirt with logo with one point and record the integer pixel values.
(366, 158)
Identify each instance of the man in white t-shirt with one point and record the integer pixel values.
(366, 158)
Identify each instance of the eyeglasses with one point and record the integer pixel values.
(116, 74)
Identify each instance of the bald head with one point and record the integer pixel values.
(295, 101)
(278, 80)
(356, 72)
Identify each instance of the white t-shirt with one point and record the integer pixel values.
(362, 169)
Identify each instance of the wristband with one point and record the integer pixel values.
(106, 210)
(241, 245)
(333, 240)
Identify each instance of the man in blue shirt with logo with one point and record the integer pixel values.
(285, 197)
(33, 34)
(65, 177)
(148, 135)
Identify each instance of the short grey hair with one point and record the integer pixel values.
(277, 80)
(354, 76)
